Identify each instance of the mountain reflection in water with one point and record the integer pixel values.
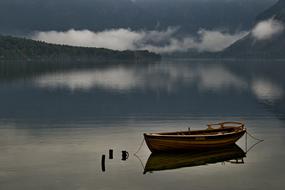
(170, 88)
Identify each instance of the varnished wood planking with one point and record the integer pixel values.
(183, 140)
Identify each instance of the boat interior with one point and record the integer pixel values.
(223, 128)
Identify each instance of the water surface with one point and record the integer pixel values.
(56, 123)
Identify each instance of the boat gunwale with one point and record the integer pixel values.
(236, 130)
(179, 136)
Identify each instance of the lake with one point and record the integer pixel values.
(56, 123)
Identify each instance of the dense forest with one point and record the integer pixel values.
(13, 48)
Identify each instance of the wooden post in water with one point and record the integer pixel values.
(246, 141)
(110, 153)
(103, 163)
(125, 155)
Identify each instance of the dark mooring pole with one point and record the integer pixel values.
(110, 153)
(103, 163)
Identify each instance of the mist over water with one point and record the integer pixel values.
(164, 41)
(160, 41)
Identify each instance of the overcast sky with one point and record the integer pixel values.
(26, 16)
(162, 26)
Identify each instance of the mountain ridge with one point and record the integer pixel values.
(99, 15)
(270, 46)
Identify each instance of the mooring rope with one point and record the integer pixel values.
(135, 154)
(139, 147)
(253, 136)
(252, 146)
(140, 161)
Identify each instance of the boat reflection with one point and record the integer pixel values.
(167, 161)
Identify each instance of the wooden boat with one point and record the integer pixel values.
(168, 160)
(227, 133)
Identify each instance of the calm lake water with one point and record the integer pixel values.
(56, 123)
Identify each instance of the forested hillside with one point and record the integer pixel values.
(12, 48)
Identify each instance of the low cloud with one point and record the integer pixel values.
(120, 39)
(166, 41)
(267, 29)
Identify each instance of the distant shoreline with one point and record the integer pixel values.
(15, 49)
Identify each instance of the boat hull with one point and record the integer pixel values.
(182, 143)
